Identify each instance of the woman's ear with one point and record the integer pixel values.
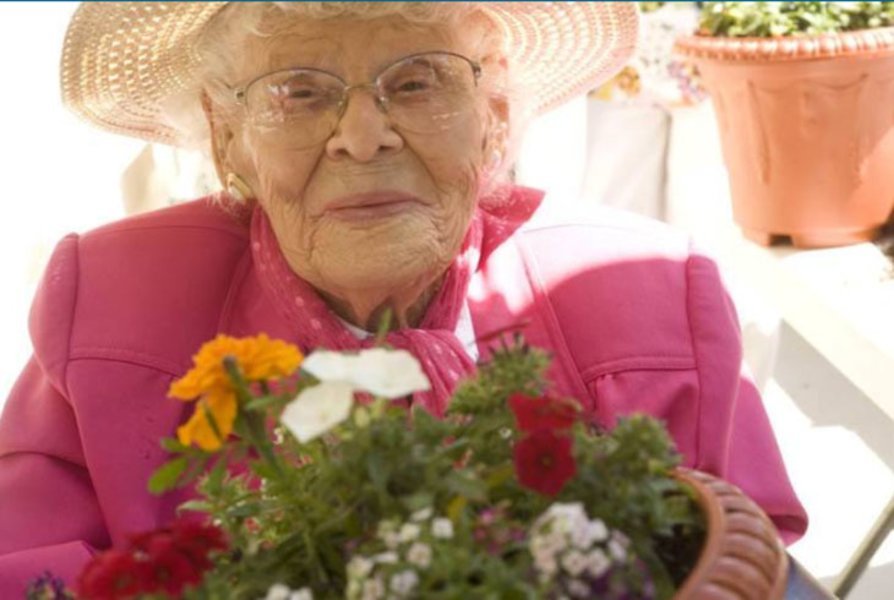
(496, 137)
(221, 137)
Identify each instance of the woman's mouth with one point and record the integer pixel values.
(368, 206)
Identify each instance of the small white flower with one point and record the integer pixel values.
(574, 563)
(373, 589)
(387, 532)
(409, 532)
(553, 542)
(379, 371)
(546, 545)
(302, 594)
(318, 409)
(385, 558)
(278, 591)
(405, 582)
(571, 512)
(584, 536)
(419, 554)
(359, 567)
(392, 540)
(421, 515)
(579, 589)
(546, 566)
(617, 549)
(562, 518)
(442, 528)
(597, 563)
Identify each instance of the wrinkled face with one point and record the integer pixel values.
(373, 204)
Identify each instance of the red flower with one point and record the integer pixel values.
(542, 412)
(197, 540)
(111, 575)
(543, 461)
(170, 568)
(166, 559)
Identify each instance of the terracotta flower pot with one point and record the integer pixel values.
(743, 557)
(807, 130)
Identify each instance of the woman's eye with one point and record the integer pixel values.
(303, 93)
(416, 85)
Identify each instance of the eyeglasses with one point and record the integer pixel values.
(423, 93)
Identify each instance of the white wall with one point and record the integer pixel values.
(57, 174)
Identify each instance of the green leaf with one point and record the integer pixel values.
(262, 403)
(196, 506)
(469, 487)
(173, 445)
(166, 476)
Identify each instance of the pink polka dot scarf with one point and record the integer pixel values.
(434, 342)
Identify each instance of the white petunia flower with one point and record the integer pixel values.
(419, 554)
(379, 371)
(442, 528)
(318, 409)
(404, 583)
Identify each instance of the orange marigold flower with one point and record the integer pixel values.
(259, 358)
(221, 406)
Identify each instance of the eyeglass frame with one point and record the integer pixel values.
(241, 93)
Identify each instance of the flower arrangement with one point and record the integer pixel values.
(776, 19)
(317, 478)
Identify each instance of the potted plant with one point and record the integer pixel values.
(803, 94)
(514, 494)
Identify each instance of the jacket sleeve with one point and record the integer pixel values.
(50, 518)
(734, 437)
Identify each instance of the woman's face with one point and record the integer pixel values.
(373, 205)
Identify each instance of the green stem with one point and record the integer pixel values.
(254, 429)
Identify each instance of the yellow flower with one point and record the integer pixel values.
(198, 430)
(259, 358)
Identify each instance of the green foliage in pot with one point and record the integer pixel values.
(777, 19)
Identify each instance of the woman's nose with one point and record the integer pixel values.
(364, 131)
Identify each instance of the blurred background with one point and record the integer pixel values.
(818, 324)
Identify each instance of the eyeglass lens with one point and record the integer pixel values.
(423, 94)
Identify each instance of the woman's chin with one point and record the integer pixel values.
(393, 266)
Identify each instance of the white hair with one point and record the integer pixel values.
(216, 45)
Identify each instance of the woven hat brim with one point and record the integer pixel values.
(121, 61)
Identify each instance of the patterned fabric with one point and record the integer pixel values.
(654, 76)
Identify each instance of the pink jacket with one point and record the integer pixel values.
(635, 320)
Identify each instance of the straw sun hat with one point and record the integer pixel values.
(122, 60)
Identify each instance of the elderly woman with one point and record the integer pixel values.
(364, 149)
